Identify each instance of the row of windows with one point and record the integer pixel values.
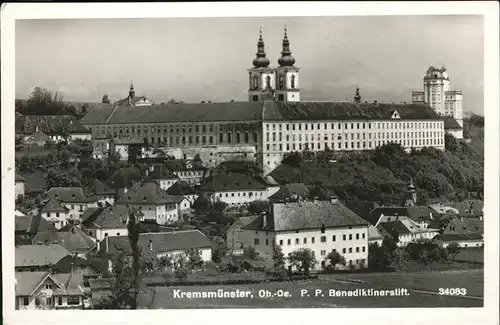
(188, 140)
(71, 300)
(323, 239)
(355, 145)
(358, 136)
(356, 125)
(167, 129)
(239, 194)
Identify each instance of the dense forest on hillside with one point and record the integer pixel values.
(383, 174)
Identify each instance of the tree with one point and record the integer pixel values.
(250, 252)
(258, 207)
(197, 159)
(195, 261)
(278, 257)
(377, 257)
(303, 259)
(219, 250)
(335, 258)
(453, 250)
(293, 159)
(133, 236)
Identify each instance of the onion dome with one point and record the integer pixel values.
(261, 61)
(357, 97)
(286, 59)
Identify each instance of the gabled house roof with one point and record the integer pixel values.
(451, 124)
(32, 224)
(101, 188)
(161, 242)
(124, 177)
(53, 205)
(71, 195)
(307, 215)
(179, 165)
(39, 255)
(373, 233)
(107, 218)
(362, 208)
(34, 182)
(67, 283)
(73, 239)
(415, 212)
(19, 178)
(286, 191)
(322, 193)
(149, 192)
(231, 182)
(181, 188)
(469, 207)
(66, 263)
(395, 228)
(161, 172)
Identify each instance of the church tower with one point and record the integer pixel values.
(287, 75)
(357, 96)
(131, 94)
(261, 83)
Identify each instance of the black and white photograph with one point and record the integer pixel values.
(192, 157)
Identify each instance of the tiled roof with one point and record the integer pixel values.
(451, 124)
(39, 255)
(362, 208)
(27, 282)
(90, 213)
(74, 240)
(322, 193)
(162, 242)
(37, 137)
(308, 215)
(469, 207)
(460, 237)
(19, 178)
(178, 165)
(149, 192)
(48, 124)
(107, 218)
(416, 213)
(64, 265)
(71, 194)
(161, 172)
(67, 284)
(101, 188)
(256, 111)
(53, 205)
(231, 182)
(35, 181)
(395, 228)
(181, 188)
(32, 224)
(124, 177)
(373, 233)
(286, 191)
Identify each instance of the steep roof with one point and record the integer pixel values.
(286, 191)
(469, 207)
(322, 193)
(451, 124)
(19, 178)
(65, 264)
(373, 233)
(74, 239)
(416, 213)
(27, 282)
(32, 224)
(124, 177)
(308, 215)
(37, 137)
(149, 192)
(395, 228)
(460, 237)
(161, 171)
(162, 242)
(181, 188)
(107, 218)
(362, 208)
(53, 205)
(231, 182)
(71, 194)
(256, 111)
(178, 165)
(39, 255)
(101, 188)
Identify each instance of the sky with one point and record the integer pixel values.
(195, 59)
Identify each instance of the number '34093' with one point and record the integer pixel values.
(452, 291)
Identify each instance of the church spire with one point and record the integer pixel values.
(131, 92)
(286, 59)
(357, 97)
(261, 61)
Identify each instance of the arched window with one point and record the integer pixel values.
(292, 81)
(255, 82)
(282, 82)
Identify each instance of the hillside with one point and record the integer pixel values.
(382, 175)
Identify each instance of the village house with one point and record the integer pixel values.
(160, 244)
(186, 170)
(105, 194)
(233, 240)
(185, 190)
(38, 258)
(74, 199)
(320, 226)
(123, 179)
(71, 237)
(290, 192)
(55, 212)
(152, 201)
(26, 228)
(19, 189)
(164, 176)
(34, 185)
(404, 230)
(421, 215)
(374, 236)
(47, 291)
(466, 232)
(56, 127)
(233, 189)
(100, 223)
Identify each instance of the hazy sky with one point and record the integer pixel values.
(194, 59)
